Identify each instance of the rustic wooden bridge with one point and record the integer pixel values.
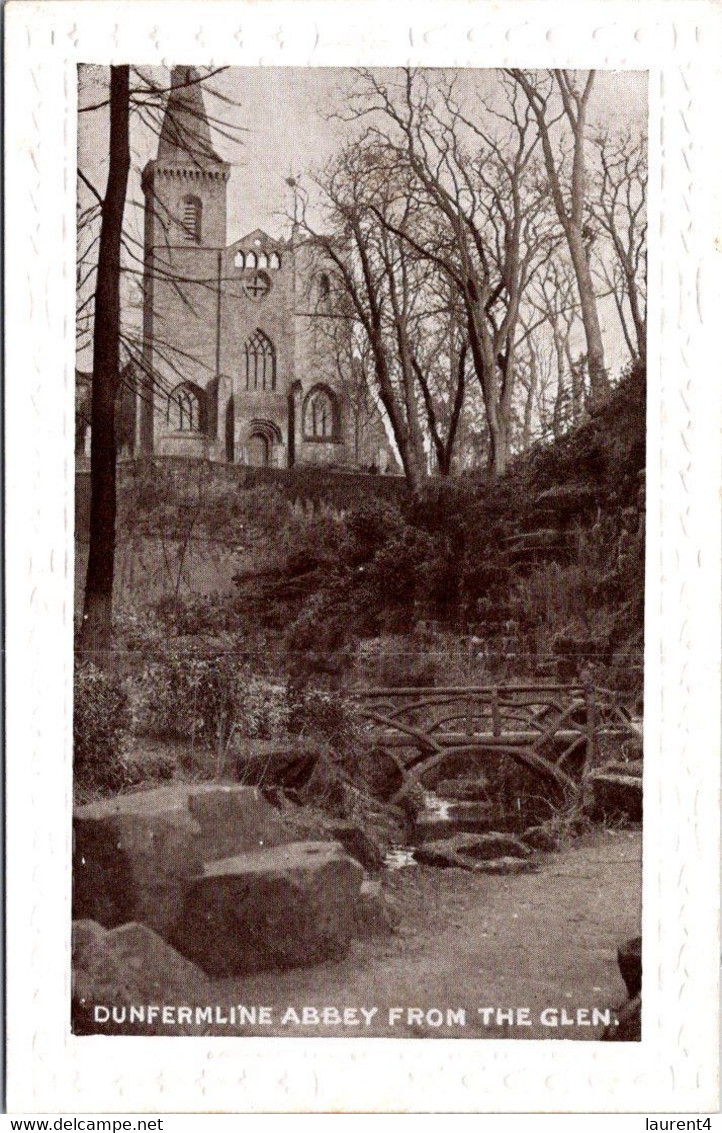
(554, 730)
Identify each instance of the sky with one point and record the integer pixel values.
(283, 113)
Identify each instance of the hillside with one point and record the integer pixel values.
(544, 569)
(541, 573)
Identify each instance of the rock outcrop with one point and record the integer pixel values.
(119, 973)
(611, 795)
(628, 1026)
(285, 907)
(136, 855)
(488, 853)
(357, 843)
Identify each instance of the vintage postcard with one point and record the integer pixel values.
(362, 463)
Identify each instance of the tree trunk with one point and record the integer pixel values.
(572, 219)
(598, 378)
(529, 403)
(97, 609)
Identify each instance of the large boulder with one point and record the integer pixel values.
(135, 855)
(285, 907)
(489, 853)
(629, 959)
(126, 968)
(611, 795)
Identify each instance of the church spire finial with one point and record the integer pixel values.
(185, 135)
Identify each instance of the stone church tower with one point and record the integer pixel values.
(235, 367)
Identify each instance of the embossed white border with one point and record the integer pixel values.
(675, 1067)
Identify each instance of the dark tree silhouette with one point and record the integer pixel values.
(116, 351)
(97, 608)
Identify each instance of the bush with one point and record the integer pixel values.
(210, 699)
(101, 726)
(324, 718)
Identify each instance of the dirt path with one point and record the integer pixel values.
(536, 942)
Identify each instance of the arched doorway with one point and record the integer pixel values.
(258, 451)
(230, 431)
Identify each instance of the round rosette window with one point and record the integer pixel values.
(257, 285)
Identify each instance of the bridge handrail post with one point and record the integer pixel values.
(592, 725)
(495, 714)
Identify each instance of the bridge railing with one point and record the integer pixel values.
(551, 728)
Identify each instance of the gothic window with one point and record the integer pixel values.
(262, 260)
(257, 285)
(320, 415)
(274, 261)
(184, 408)
(192, 213)
(260, 362)
(250, 260)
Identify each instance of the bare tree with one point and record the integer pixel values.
(568, 190)
(375, 288)
(555, 299)
(95, 636)
(481, 219)
(619, 206)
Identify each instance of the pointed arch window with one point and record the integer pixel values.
(260, 358)
(192, 220)
(185, 409)
(321, 415)
(274, 261)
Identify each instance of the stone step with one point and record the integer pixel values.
(490, 852)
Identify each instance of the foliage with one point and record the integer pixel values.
(325, 718)
(209, 698)
(550, 553)
(101, 726)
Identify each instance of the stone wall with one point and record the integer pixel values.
(339, 489)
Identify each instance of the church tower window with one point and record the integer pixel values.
(260, 362)
(192, 216)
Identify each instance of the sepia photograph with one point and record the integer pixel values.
(362, 557)
(360, 500)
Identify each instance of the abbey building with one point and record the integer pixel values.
(238, 363)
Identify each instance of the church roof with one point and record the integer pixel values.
(260, 236)
(185, 134)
